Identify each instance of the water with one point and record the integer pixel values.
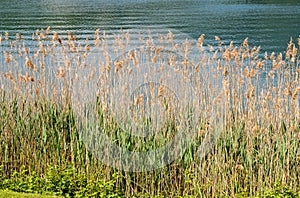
(268, 23)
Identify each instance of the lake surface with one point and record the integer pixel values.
(268, 23)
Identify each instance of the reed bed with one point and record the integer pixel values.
(233, 111)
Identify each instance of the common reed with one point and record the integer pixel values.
(237, 109)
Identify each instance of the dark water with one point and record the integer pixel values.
(268, 23)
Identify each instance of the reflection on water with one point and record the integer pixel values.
(268, 23)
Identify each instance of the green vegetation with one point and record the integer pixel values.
(250, 111)
(66, 182)
(11, 194)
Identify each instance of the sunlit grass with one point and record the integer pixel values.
(54, 92)
(10, 194)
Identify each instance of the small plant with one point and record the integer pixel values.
(279, 191)
(65, 182)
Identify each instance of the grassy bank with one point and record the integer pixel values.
(11, 194)
(238, 108)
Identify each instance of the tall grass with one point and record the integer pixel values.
(239, 108)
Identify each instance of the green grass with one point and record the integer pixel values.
(11, 194)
